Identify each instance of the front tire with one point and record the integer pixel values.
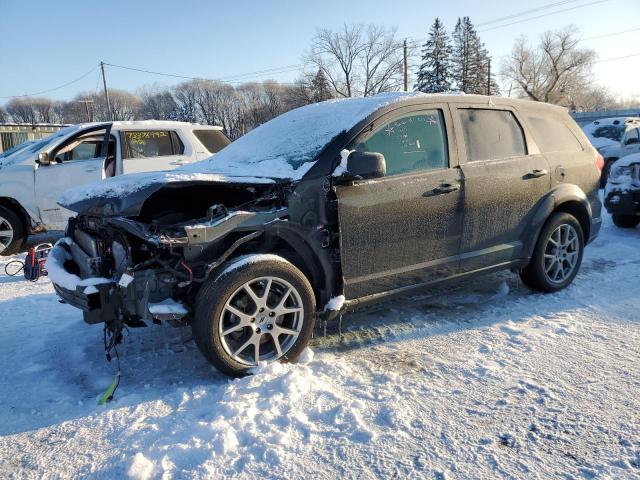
(261, 308)
(557, 255)
(626, 221)
(12, 232)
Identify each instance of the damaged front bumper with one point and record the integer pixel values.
(138, 297)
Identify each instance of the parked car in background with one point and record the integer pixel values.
(622, 193)
(33, 176)
(614, 138)
(328, 207)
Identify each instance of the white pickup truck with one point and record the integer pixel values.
(32, 178)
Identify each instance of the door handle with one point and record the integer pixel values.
(179, 162)
(90, 169)
(442, 189)
(536, 173)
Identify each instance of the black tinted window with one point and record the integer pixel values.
(410, 143)
(491, 134)
(213, 140)
(151, 143)
(552, 135)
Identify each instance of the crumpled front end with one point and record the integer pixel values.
(132, 270)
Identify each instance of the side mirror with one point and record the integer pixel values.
(43, 158)
(631, 141)
(366, 165)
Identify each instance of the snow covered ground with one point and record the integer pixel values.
(488, 380)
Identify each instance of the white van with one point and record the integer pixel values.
(33, 177)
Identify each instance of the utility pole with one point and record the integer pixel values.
(86, 106)
(106, 92)
(489, 77)
(406, 67)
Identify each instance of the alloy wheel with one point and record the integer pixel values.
(261, 320)
(561, 253)
(6, 234)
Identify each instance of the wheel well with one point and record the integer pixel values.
(16, 208)
(299, 253)
(579, 211)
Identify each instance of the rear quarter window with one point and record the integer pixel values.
(213, 140)
(552, 134)
(491, 134)
(151, 143)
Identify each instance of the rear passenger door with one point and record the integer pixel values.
(151, 150)
(504, 180)
(402, 229)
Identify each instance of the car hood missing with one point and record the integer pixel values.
(126, 195)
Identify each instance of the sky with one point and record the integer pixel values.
(45, 44)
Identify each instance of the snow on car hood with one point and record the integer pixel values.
(287, 146)
(124, 195)
(625, 182)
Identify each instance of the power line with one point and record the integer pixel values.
(609, 34)
(52, 89)
(283, 69)
(617, 58)
(544, 15)
(417, 42)
(526, 12)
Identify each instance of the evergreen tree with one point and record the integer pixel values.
(471, 60)
(435, 70)
(319, 88)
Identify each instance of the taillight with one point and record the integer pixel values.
(599, 162)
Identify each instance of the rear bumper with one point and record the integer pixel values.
(623, 202)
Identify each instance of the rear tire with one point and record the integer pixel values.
(12, 232)
(557, 255)
(260, 309)
(626, 221)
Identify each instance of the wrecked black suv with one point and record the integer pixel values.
(328, 207)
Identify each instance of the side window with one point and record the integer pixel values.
(632, 136)
(213, 140)
(553, 135)
(491, 134)
(410, 143)
(83, 147)
(151, 143)
(85, 151)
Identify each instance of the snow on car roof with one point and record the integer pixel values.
(287, 146)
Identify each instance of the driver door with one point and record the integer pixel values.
(403, 229)
(77, 161)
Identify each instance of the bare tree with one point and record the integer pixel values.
(551, 72)
(593, 99)
(185, 95)
(357, 60)
(22, 111)
(156, 103)
(4, 116)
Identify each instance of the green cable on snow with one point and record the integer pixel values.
(108, 395)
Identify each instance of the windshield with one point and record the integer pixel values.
(287, 146)
(612, 132)
(47, 141)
